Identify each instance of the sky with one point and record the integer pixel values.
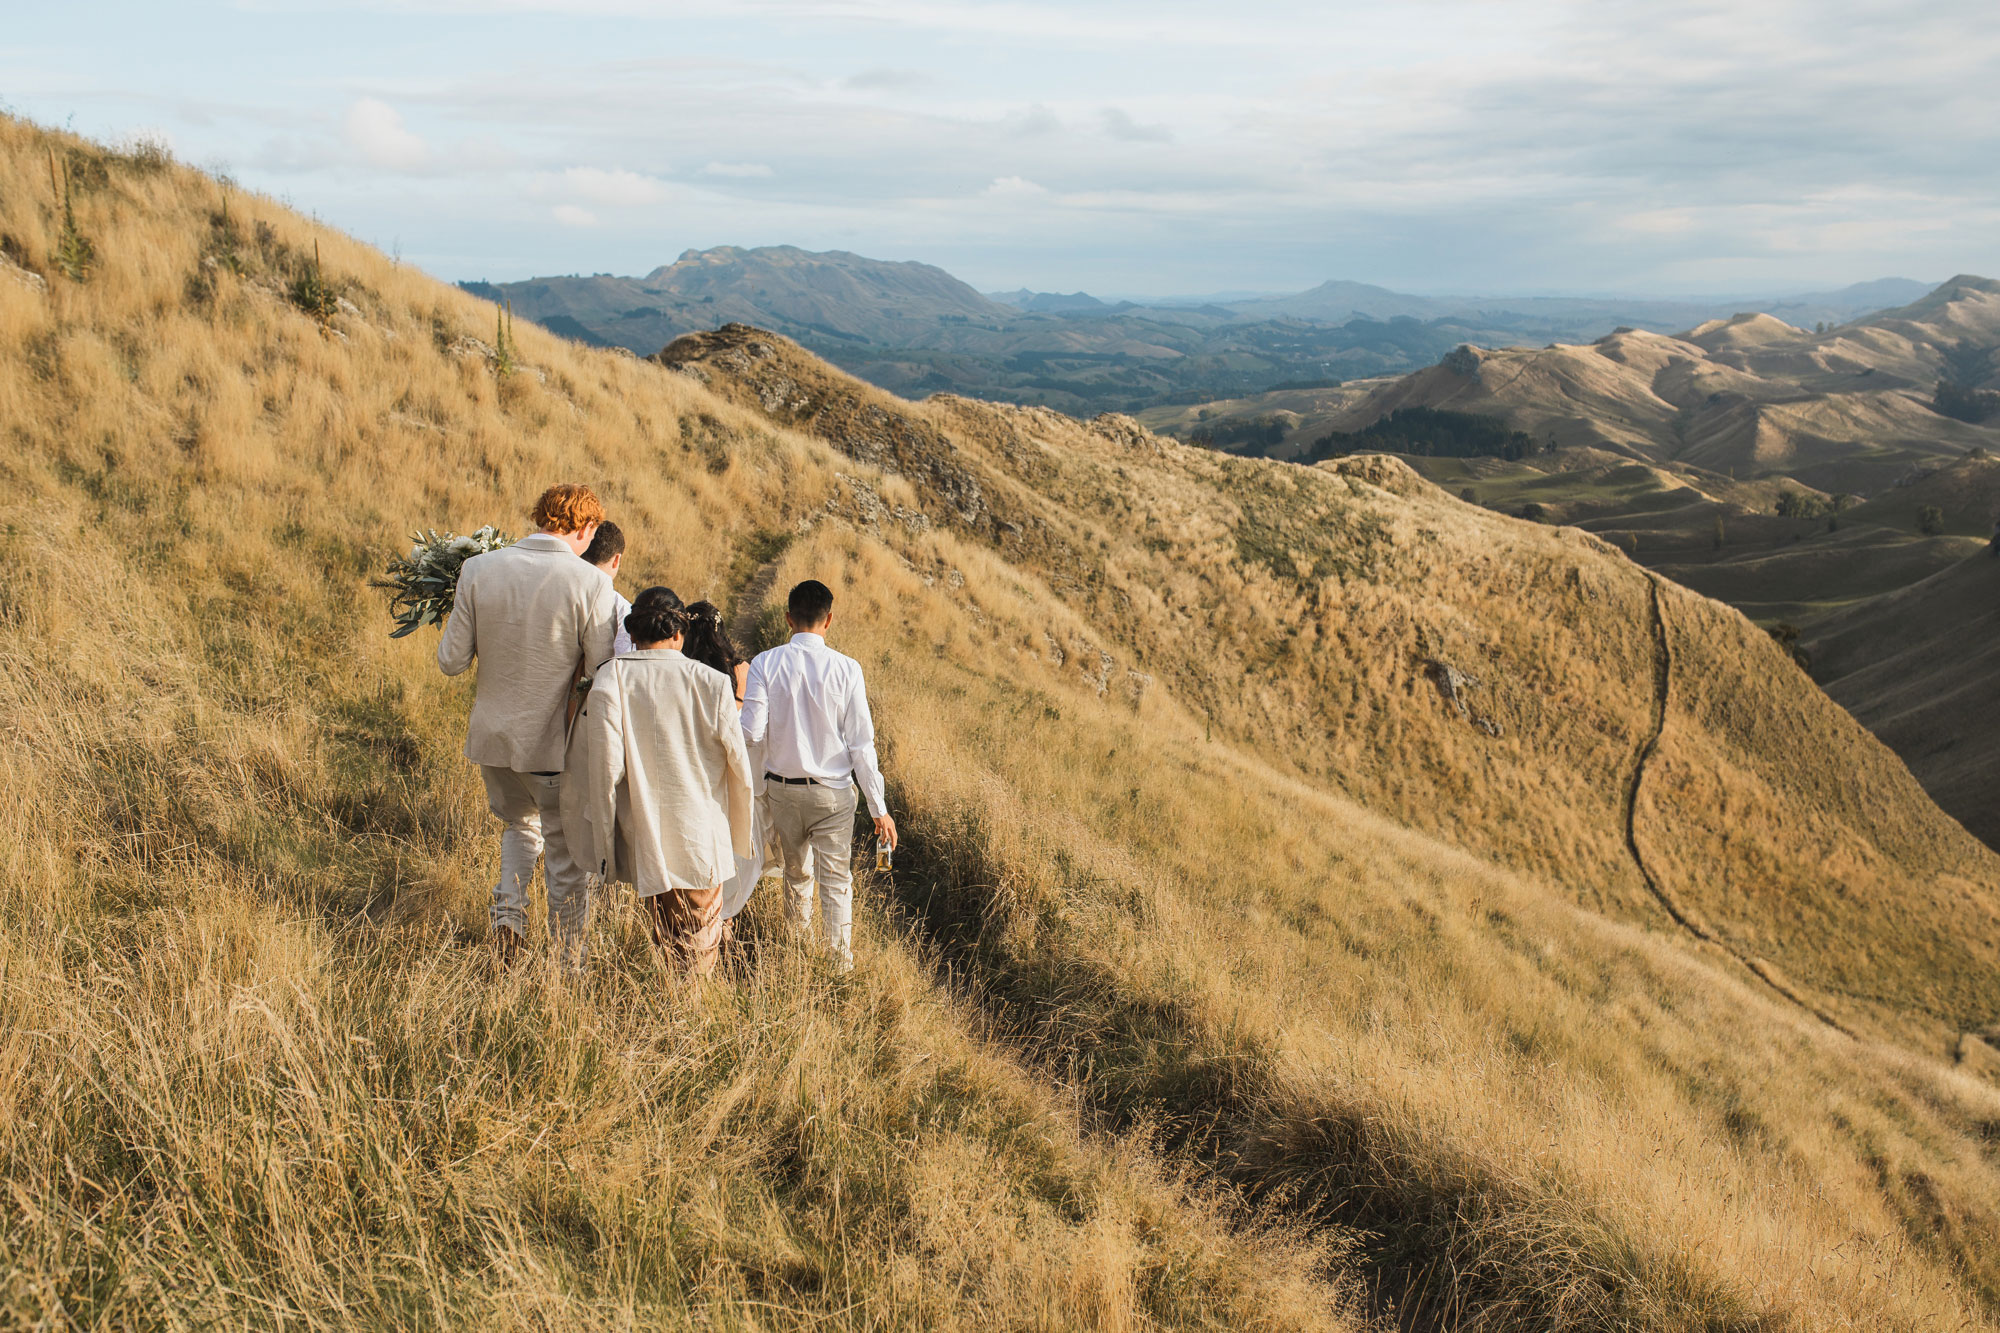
(1142, 148)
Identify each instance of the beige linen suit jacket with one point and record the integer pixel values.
(529, 613)
(666, 781)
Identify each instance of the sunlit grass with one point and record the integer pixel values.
(1229, 980)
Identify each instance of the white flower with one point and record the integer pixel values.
(465, 543)
(416, 552)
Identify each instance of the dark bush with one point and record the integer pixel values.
(1787, 637)
(1429, 432)
(1963, 403)
(1798, 504)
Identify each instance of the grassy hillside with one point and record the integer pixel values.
(1921, 667)
(1233, 977)
(1680, 449)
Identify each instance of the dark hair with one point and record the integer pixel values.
(708, 642)
(609, 541)
(657, 615)
(809, 602)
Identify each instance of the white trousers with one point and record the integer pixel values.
(531, 808)
(814, 827)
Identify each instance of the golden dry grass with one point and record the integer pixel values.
(1230, 979)
(232, 1100)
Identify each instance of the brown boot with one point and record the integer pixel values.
(507, 944)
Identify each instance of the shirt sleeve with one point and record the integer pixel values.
(621, 640)
(599, 628)
(458, 644)
(756, 715)
(857, 732)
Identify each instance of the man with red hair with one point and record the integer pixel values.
(531, 613)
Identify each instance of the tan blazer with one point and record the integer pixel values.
(666, 784)
(529, 613)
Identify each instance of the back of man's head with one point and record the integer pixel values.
(606, 546)
(567, 508)
(810, 603)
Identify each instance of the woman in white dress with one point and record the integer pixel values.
(666, 781)
(708, 643)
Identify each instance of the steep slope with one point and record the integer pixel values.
(1657, 758)
(1435, 1026)
(1288, 609)
(257, 1068)
(1920, 667)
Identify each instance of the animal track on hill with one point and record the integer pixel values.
(1663, 673)
(749, 605)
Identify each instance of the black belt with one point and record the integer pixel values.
(789, 782)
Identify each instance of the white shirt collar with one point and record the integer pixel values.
(543, 541)
(805, 640)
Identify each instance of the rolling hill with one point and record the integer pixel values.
(1807, 479)
(1680, 449)
(1326, 904)
(1920, 666)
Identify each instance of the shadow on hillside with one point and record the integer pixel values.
(1442, 1244)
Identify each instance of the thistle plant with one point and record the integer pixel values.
(311, 293)
(74, 254)
(423, 584)
(503, 340)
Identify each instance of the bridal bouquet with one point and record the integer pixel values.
(423, 583)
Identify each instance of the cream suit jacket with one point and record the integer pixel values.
(665, 780)
(528, 613)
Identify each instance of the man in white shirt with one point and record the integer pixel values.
(606, 552)
(807, 705)
(530, 613)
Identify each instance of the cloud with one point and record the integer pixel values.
(887, 80)
(1441, 145)
(1015, 187)
(613, 188)
(1035, 122)
(569, 215)
(1118, 123)
(374, 129)
(738, 170)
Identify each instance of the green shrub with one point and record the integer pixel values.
(311, 293)
(74, 254)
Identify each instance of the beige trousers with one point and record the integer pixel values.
(814, 828)
(530, 806)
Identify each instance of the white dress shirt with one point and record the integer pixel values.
(808, 707)
(621, 642)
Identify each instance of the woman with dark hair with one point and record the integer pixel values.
(708, 643)
(666, 780)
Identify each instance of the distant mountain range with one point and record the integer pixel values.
(915, 329)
